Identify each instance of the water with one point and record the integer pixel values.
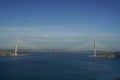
(62, 66)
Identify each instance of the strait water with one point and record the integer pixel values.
(62, 66)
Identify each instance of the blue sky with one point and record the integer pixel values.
(59, 21)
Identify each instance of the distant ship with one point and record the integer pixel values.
(105, 54)
(54, 53)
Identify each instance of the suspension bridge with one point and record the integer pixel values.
(21, 44)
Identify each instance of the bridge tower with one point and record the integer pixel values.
(16, 47)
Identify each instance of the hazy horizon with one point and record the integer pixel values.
(60, 43)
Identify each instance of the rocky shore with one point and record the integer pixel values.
(108, 55)
(11, 53)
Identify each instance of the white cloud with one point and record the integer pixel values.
(8, 29)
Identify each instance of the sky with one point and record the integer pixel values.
(60, 24)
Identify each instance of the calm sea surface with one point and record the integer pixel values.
(62, 66)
